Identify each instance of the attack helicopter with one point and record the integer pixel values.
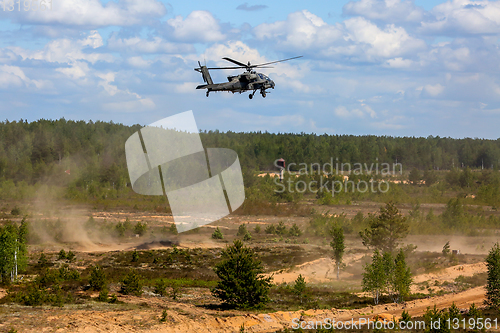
(250, 80)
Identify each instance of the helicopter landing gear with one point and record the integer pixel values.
(263, 93)
(207, 93)
(251, 95)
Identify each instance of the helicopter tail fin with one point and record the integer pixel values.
(205, 74)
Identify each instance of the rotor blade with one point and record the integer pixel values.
(239, 67)
(273, 62)
(236, 62)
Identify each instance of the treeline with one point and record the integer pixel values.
(83, 153)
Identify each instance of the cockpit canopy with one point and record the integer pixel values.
(264, 77)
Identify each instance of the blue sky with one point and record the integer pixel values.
(382, 67)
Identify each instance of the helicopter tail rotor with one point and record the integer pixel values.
(204, 73)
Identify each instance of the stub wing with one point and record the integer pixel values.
(206, 86)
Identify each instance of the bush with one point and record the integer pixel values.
(242, 230)
(281, 229)
(161, 287)
(70, 256)
(42, 260)
(131, 284)
(217, 234)
(140, 228)
(97, 279)
(176, 290)
(135, 256)
(270, 229)
(295, 231)
(103, 295)
(62, 254)
(247, 237)
(257, 229)
(15, 211)
(173, 229)
(242, 283)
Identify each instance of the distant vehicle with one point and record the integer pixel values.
(247, 81)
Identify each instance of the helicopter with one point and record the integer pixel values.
(247, 81)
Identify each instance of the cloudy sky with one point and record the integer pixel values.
(382, 67)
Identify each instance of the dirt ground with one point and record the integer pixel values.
(142, 314)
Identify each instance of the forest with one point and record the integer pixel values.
(94, 151)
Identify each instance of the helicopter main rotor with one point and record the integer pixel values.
(249, 66)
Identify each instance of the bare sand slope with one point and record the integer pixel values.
(319, 270)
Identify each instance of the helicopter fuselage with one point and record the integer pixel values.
(248, 81)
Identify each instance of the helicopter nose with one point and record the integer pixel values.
(272, 84)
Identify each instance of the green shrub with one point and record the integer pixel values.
(242, 230)
(131, 284)
(247, 237)
(281, 229)
(97, 278)
(140, 228)
(217, 234)
(161, 287)
(70, 256)
(257, 229)
(295, 231)
(270, 229)
(135, 256)
(242, 283)
(62, 254)
(103, 295)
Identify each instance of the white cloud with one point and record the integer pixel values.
(399, 63)
(139, 62)
(13, 75)
(186, 87)
(140, 105)
(301, 31)
(355, 39)
(78, 70)
(386, 10)
(153, 45)
(391, 42)
(92, 13)
(199, 26)
(67, 50)
(464, 17)
(356, 112)
(433, 90)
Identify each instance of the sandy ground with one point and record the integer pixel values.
(188, 318)
(320, 270)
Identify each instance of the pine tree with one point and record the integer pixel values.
(446, 249)
(97, 278)
(338, 246)
(242, 230)
(131, 284)
(386, 229)
(493, 280)
(217, 234)
(299, 287)
(242, 282)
